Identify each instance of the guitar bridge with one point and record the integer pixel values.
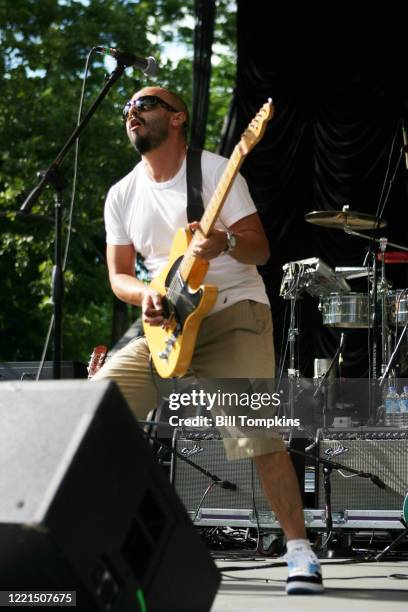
(170, 342)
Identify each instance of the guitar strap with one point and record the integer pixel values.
(195, 208)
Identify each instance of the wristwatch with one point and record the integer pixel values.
(231, 242)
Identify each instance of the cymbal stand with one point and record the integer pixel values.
(383, 291)
(290, 290)
(293, 372)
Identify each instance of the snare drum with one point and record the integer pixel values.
(346, 310)
(398, 306)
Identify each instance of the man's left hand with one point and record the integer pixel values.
(210, 247)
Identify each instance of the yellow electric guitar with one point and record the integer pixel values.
(185, 300)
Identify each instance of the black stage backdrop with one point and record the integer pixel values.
(339, 83)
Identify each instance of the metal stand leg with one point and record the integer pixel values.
(393, 544)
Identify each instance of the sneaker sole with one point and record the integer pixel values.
(303, 588)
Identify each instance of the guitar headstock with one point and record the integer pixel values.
(256, 128)
(97, 359)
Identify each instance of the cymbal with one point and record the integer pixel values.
(339, 219)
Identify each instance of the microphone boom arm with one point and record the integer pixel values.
(47, 175)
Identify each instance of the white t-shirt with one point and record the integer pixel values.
(146, 213)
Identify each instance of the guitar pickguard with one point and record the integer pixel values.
(179, 301)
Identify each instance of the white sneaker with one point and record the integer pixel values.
(305, 576)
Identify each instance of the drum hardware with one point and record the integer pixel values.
(393, 355)
(311, 275)
(297, 277)
(343, 308)
(383, 291)
(350, 272)
(352, 232)
(315, 277)
(359, 310)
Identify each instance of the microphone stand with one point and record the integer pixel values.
(225, 484)
(52, 176)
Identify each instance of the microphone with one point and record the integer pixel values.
(405, 141)
(226, 484)
(147, 65)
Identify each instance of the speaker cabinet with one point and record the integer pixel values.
(387, 459)
(84, 506)
(210, 455)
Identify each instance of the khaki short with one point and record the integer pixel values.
(234, 343)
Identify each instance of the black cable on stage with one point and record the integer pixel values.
(326, 578)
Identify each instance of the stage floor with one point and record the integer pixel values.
(352, 587)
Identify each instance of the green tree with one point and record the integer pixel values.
(43, 46)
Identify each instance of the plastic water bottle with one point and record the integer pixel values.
(392, 407)
(403, 406)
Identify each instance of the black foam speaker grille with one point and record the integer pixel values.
(83, 504)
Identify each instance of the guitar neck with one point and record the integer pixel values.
(213, 209)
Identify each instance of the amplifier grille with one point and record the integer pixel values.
(210, 455)
(387, 459)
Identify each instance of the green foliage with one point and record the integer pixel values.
(43, 46)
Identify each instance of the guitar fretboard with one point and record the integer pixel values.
(213, 209)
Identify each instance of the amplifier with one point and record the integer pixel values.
(383, 452)
(209, 454)
(222, 506)
(27, 370)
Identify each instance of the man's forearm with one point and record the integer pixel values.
(250, 249)
(128, 288)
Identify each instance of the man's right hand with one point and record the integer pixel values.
(152, 308)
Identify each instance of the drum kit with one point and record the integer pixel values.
(378, 308)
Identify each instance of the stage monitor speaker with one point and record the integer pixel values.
(385, 458)
(85, 507)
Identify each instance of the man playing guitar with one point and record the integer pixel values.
(235, 340)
